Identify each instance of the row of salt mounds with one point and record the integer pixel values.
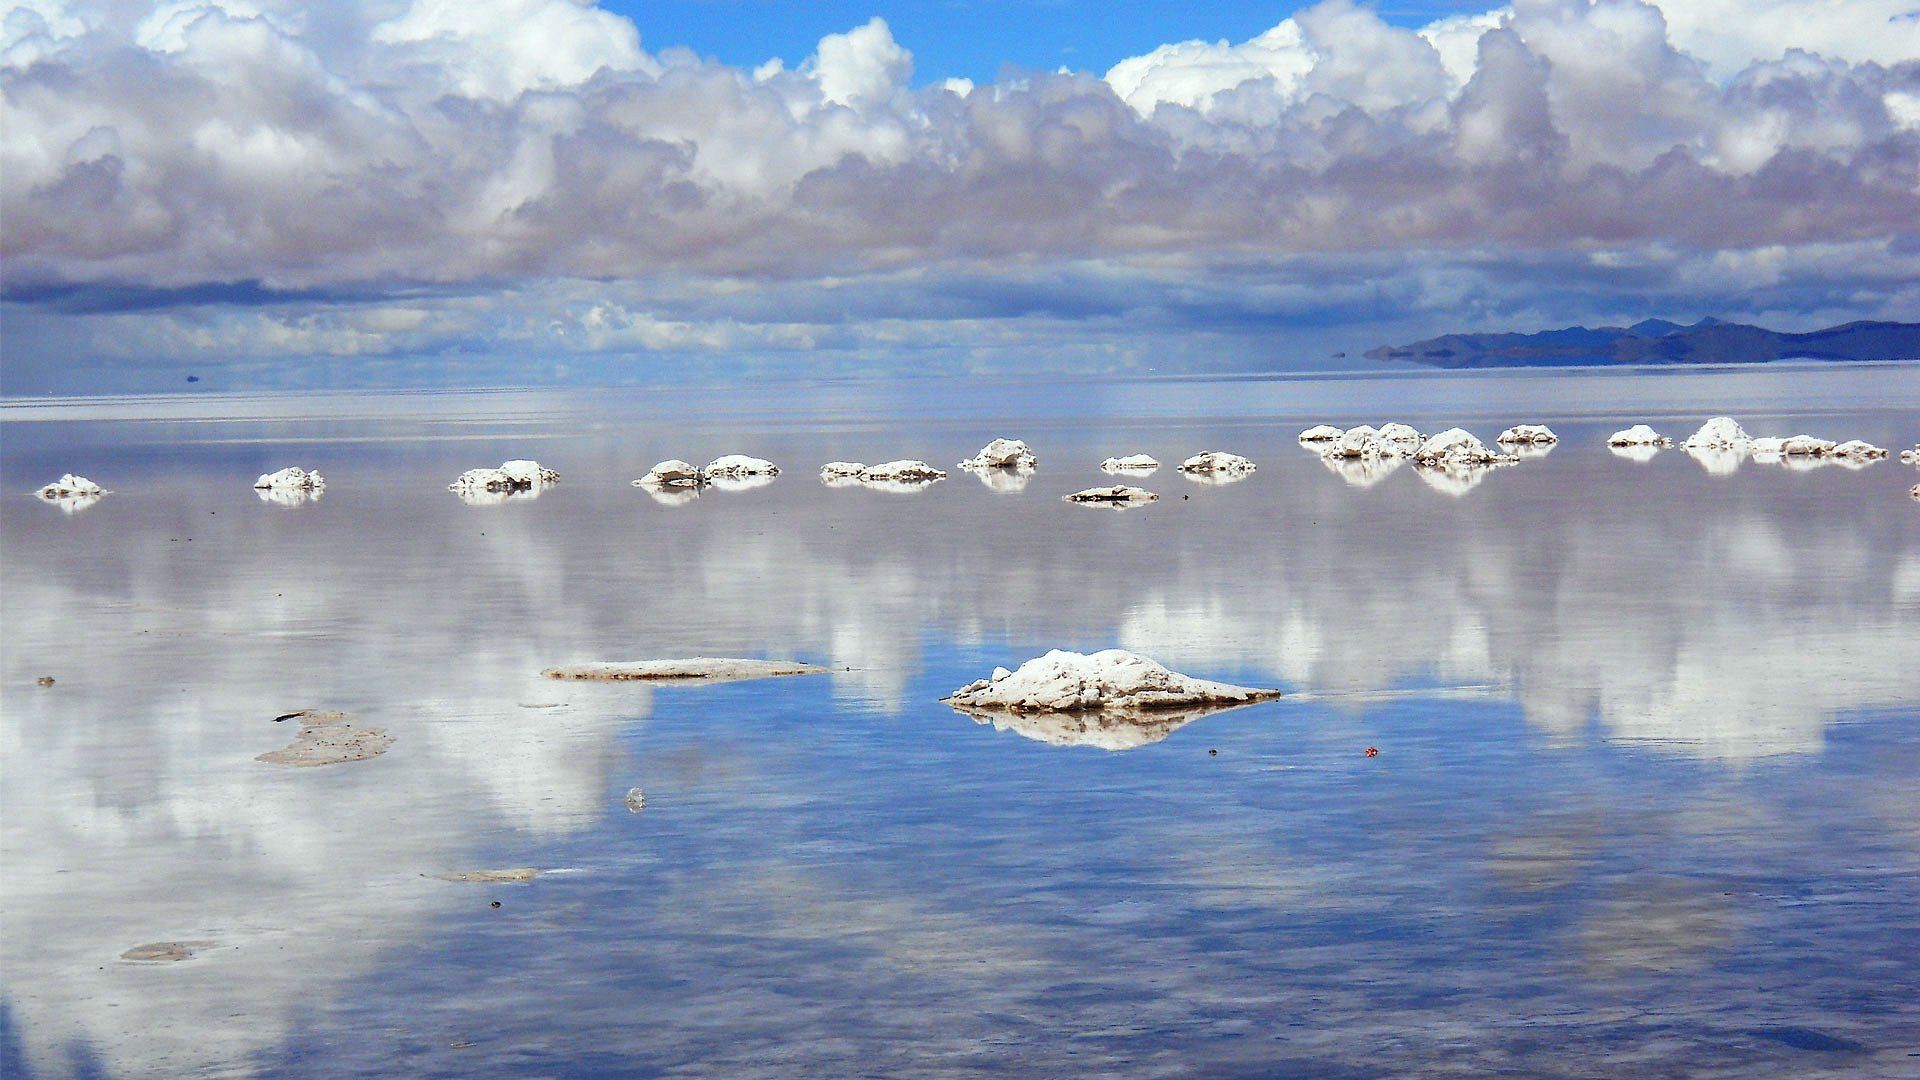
(901, 475)
(1721, 443)
(1064, 681)
(292, 478)
(1130, 463)
(728, 471)
(1366, 442)
(1002, 454)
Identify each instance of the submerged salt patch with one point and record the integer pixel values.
(1638, 435)
(292, 478)
(328, 738)
(1117, 495)
(1063, 681)
(1002, 454)
(698, 667)
(167, 952)
(518, 875)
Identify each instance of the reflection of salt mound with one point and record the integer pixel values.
(1640, 452)
(1004, 479)
(1718, 460)
(740, 483)
(1064, 681)
(1362, 472)
(1453, 479)
(1109, 729)
(1119, 496)
(1719, 433)
(1456, 447)
(1528, 434)
(900, 476)
(1638, 435)
(1002, 454)
(1530, 451)
(281, 496)
(488, 487)
(740, 467)
(670, 496)
(1216, 466)
(1131, 463)
(1320, 433)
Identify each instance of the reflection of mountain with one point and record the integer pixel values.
(1656, 341)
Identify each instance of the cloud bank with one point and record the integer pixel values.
(530, 150)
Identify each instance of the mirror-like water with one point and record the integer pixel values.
(1645, 797)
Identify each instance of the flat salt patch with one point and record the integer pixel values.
(1638, 435)
(1063, 681)
(328, 738)
(707, 668)
(1528, 434)
(1216, 463)
(167, 952)
(1002, 454)
(1131, 463)
(1719, 433)
(672, 473)
(518, 875)
(1321, 433)
(1119, 495)
(291, 478)
(740, 466)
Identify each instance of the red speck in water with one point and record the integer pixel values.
(1373, 751)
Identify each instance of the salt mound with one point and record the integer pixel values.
(1529, 434)
(1719, 433)
(1911, 457)
(672, 473)
(908, 470)
(1118, 495)
(512, 476)
(70, 486)
(1216, 463)
(1457, 446)
(842, 470)
(529, 473)
(1807, 446)
(1002, 454)
(1139, 463)
(1361, 442)
(1321, 433)
(1638, 435)
(1405, 436)
(704, 668)
(1064, 681)
(293, 478)
(1859, 450)
(739, 466)
(903, 475)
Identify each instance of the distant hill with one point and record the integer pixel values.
(1657, 341)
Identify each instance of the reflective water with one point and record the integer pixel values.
(1645, 798)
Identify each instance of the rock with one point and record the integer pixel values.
(707, 668)
(519, 875)
(1528, 434)
(1118, 495)
(1064, 681)
(44, 680)
(1132, 463)
(1321, 433)
(1719, 433)
(292, 478)
(166, 952)
(1002, 454)
(636, 800)
(328, 738)
(1456, 447)
(1638, 435)
(672, 473)
(739, 466)
(1216, 463)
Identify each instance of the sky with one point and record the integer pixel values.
(501, 192)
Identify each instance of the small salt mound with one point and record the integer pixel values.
(1719, 433)
(1140, 463)
(672, 473)
(1528, 434)
(1002, 454)
(738, 466)
(1638, 435)
(529, 473)
(1118, 495)
(1216, 463)
(511, 476)
(1457, 446)
(1405, 436)
(70, 486)
(293, 478)
(1321, 433)
(1911, 457)
(1064, 681)
(904, 470)
(842, 470)
(1807, 446)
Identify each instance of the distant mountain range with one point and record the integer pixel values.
(1657, 341)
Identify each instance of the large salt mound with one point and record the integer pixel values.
(1719, 433)
(1457, 446)
(1002, 454)
(1064, 681)
(1638, 435)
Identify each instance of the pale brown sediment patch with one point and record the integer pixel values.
(516, 875)
(327, 738)
(166, 952)
(699, 668)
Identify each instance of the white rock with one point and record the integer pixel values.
(1321, 433)
(1638, 435)
(1064, 681)
(1215, 463)
(737, 466)
(1002, 454)
(1117, 495)
(1719, 433)
(1457, 446)
(70, 486)
(1134, 463)
(672, 473)
(292, 478)
(1528, 433)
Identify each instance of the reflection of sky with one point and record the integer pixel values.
(1695, 741)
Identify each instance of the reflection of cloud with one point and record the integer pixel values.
(1666, 924)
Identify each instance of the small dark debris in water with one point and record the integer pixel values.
(461, 1045)
(287, 716)
(193, 378)
(1184, 498)
(44, 680)
(1213, 753)
(496, 903)
(1373, 751)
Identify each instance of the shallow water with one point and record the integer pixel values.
(1645, 798)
